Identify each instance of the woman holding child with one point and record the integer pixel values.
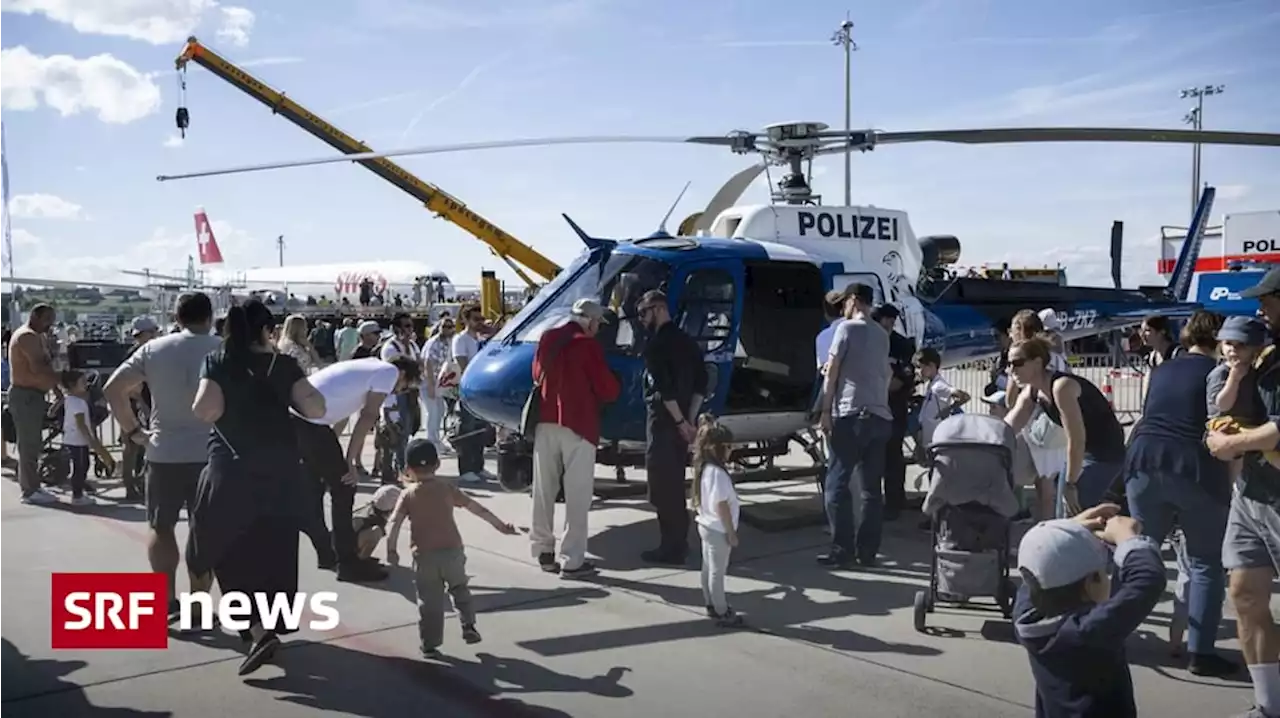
(252, 499)
(1093, 437)
(1170, 475)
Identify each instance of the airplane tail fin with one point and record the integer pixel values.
(206, 243)
(1180, 282)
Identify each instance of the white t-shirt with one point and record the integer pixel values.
(71, 434)
(396, 347)
(465, 346)
(346, 384)
(716, 486)
(938, 395)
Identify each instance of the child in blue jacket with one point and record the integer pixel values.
(1069, 620)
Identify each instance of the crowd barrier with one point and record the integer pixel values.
(1123, 385)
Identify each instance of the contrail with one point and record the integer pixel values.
(470, 78)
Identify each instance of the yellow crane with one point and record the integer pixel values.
(441, 203)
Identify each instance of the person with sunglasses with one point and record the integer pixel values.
(402, 344)
(436, 354)
(1094, 437)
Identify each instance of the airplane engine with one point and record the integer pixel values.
(938, 250)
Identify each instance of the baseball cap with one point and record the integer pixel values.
(385, 498)
(370, 327)
(1050, 320)
(1246, 330)
(1270, 284)
(144, 324)
(421, 454)
(588, 308)
(885, 311)
(1061, 552)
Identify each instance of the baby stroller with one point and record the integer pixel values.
(971, 504)
(55, 464)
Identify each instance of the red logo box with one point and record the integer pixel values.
(110, 610)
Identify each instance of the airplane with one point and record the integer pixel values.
(334, 280)
(747, 282)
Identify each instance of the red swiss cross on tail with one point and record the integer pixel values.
(205, 242)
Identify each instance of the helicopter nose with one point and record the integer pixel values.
(497, 383)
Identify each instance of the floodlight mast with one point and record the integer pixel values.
(844, 37)
(1195, 118)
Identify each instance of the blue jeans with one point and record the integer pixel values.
(1156, 499)
(1095, 479)
(857, 444)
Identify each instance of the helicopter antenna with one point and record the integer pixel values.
(662, 226)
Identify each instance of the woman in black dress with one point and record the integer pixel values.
(251, 501)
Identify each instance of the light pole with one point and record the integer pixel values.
(1195, 118)
(844, 37)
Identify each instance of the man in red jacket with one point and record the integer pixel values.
(576, 383)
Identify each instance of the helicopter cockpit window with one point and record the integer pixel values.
(618, 286)
(706, 308)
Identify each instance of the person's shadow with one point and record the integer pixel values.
(39, 688)
(330, 677)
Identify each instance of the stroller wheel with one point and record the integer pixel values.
(921, 610)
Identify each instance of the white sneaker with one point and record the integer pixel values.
(470, 478)
(486, 475)
(40, 497)
(82, 501)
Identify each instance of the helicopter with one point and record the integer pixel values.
(747, 282)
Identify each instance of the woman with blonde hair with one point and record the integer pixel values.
(1045, 441)
(293, 342)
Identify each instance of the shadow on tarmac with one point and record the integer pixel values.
(53, 695)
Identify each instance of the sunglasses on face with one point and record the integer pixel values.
(1017, 363)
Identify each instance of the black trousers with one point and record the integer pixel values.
(324, 463)
(665, 460)
(471, 449)
(895, 465)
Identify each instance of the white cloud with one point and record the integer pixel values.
(265, 61)
(102, 84)
(174, 142)
(159, 22)
(1233, 191)
(43, 206)
(23, 238)
(237, 23)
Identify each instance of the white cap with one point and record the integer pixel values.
(144, 324)
(1050, 320)
(370, 327)
(385, 498)
(1061, 552)
(588, 308)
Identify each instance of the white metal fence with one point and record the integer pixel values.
(1122, 385)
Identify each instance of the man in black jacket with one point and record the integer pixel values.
(674, 389)
(901, 352)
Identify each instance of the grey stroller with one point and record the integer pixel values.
(971, 504)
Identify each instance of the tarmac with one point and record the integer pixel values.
(632, 641)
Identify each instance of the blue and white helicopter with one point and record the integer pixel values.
(748, 282)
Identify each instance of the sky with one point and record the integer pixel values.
(89, 95)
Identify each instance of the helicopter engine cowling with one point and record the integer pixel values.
(938, 250)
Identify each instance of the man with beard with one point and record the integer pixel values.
(32, 378)
(676, 380)
(901, 386)
(1251, 549)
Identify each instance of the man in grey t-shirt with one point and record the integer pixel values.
(857, 419)
(177, 442)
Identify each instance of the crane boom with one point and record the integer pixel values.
(436, 200)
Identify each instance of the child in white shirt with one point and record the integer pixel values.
(716, 504)
(940, 398)
(78, 435)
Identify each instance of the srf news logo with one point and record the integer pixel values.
(130, 610)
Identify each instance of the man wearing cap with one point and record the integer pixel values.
(569, 369)
(1071, 623)
(369, 333)
(144, 330)
(1251, 550)
(856, 417)
(901, 386)
(676, 382)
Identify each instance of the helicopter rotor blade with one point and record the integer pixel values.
(727, 196)
(458, 147)
(1057, 134)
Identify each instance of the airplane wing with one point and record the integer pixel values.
(71, 284)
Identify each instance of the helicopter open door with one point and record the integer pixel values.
(757, 322)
